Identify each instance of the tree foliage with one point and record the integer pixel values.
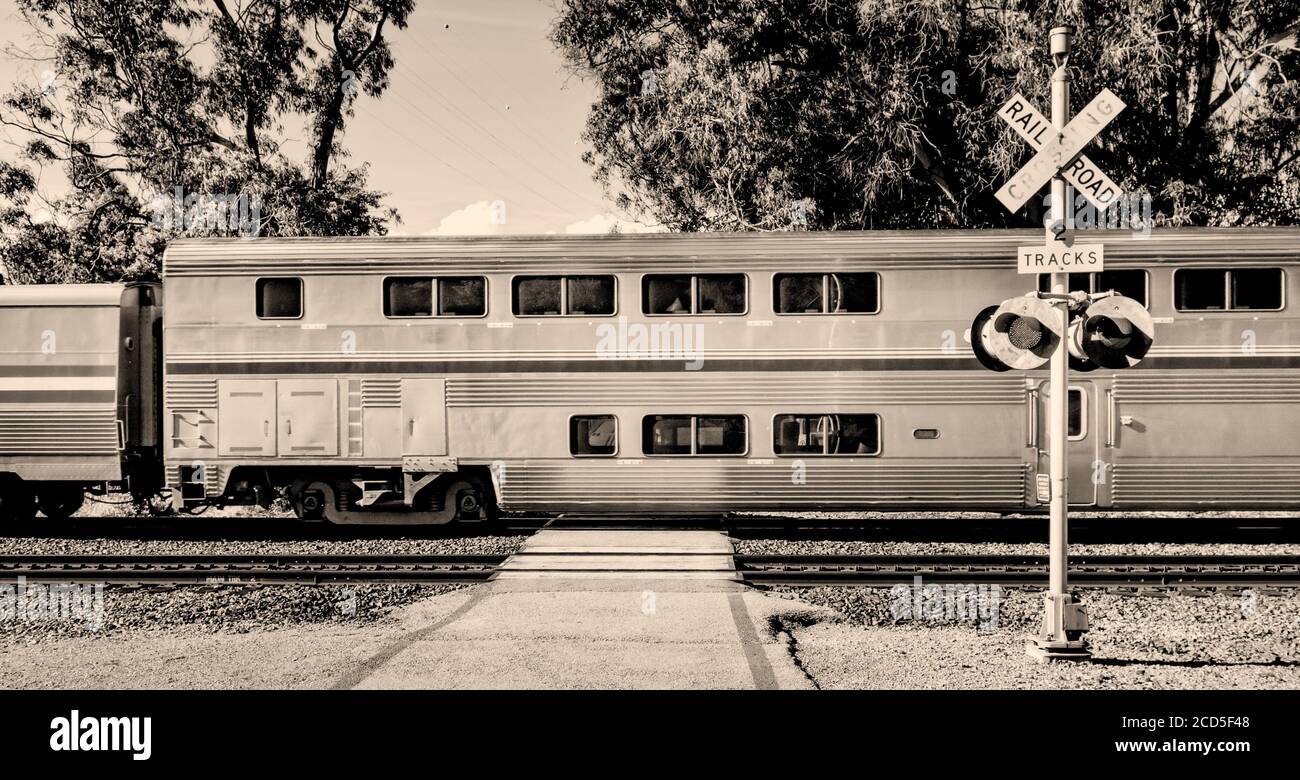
(140, 101)
(727, 114)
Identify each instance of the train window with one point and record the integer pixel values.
(694, 434)
(593, 435)
(279, 298)
(1131, 283)
(408, 296)
(1256, 288)
(720, 294)
(1219, 289)
(591, 295)
(538, 295)
(800, 293)
(1200, 289)
(826, 293)
(462, 296)
(1076, 415)
(720, 435)
(563, 295)
(693, 294)
(826, 434)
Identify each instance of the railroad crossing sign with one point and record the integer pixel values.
(1058, 257)
(1055, 154)
(1087, 178)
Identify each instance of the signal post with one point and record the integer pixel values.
(1024, 333)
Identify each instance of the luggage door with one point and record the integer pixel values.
(424, 417)
(308, 417)
(245, 417)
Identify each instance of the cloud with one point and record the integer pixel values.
(608, 223)
(479, 218)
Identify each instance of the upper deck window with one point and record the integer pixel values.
(827, 293)
(462, 296)
(421, 296)
(1131, 283)
(541, 296)
(693, 294)
(408, 296)
(1221, 289)
(279, 298)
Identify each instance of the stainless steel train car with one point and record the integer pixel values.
(431, 379)
(80, 395)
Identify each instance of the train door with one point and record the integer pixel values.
(424, 417)
(1081, 427)
(309, 417)
(246, 417)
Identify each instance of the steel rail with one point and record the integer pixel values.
(286, 569)
(1157, 571)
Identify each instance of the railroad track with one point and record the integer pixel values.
(1152, 571)
(248, 569)
(1163, 571)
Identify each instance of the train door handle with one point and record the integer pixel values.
(266, 428)
(1033, 419)
(288, 426)
(1110, 418)
(410, 427)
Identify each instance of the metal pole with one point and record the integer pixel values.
(1059, 381)
(1062, 618)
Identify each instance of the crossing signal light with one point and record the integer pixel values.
(1019, 334)
(1022, 333)
(1116, 332)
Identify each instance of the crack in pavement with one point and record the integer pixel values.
(375, 662)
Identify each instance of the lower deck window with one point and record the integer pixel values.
(826, 434)
(694, 434)
(593, 434)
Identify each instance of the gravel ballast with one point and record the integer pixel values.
(774, 546)
(156, 544)
(1221, 640)
(225, 608)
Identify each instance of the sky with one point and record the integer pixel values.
(479, 131)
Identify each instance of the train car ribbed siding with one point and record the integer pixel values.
(507, 385)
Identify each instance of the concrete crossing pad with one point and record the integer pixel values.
(622, 554)
(597, 609)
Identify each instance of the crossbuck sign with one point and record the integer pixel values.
(1059, 153)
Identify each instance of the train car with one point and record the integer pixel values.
(80, 395)
(427, 379)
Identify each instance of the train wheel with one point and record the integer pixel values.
(17, 502)
(61, 502)
(467, 500)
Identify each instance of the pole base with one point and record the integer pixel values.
(1046, 650)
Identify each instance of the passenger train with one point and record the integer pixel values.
(426, 380)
